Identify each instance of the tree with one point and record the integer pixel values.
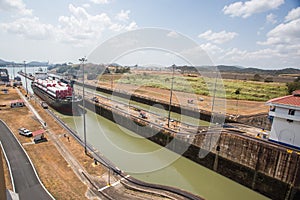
(293, 86)
(63, 68)
(91, 76)
(122, 70)
(256, 77)
(268, 79)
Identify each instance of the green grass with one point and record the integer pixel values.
(249, 90)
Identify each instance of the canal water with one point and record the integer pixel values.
(152, 163)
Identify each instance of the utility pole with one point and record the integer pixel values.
(82, 60)
(171, 94)
(26, 79)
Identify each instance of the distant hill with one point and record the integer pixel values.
(238, 69)
(36, 63)
(269, 72)
(3, 62)
(32, 63)
(227, 68)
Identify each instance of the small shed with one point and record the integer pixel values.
(38, 135)
(17, 103)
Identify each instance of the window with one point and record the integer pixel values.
(291, 112)
(272, 108)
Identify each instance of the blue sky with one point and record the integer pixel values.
(251, 33)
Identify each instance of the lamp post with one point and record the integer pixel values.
(111, 81)
(14, 71)
(212, 108)
(82, 60)
(171, 94)
(26, 78)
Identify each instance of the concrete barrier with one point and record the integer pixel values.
(267, 169)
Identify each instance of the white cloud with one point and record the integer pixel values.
(173, 34)
(285, 39)
(86, 5)
(248, 8)
(293, 14)
(100, 1)
(284, 34)
(123, 15)
(17, 6)
(274, 57)
(30, 28)
(79, 28)
(131, 26)
(119, 27)
(281, 47)
(218, 38)
(271, 18)
(211, 48)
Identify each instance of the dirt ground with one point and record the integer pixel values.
(74, 147)
(232, 107)
(52, 168)
(6, 174)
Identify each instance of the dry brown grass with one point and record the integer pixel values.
(6, 174)
(52, 168)
(74, 147)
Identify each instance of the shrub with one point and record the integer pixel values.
(256, 77)
(268, 79)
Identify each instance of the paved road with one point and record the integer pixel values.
(26, 183)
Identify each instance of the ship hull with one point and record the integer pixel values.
(64, 106)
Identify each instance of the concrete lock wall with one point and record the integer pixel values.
(259, 120)
(148, 101)
(270, 170)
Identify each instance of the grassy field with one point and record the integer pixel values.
(249, 90)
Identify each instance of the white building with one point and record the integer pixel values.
(285, 114)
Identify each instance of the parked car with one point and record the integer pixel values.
(25, 132)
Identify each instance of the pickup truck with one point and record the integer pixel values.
(25, 132)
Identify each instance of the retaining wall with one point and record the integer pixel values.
(268, 169)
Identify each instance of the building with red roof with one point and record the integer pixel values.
(38, 135)
(285, 115)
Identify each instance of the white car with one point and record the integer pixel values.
(25, 132)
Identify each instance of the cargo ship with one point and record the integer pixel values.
(57, 94)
